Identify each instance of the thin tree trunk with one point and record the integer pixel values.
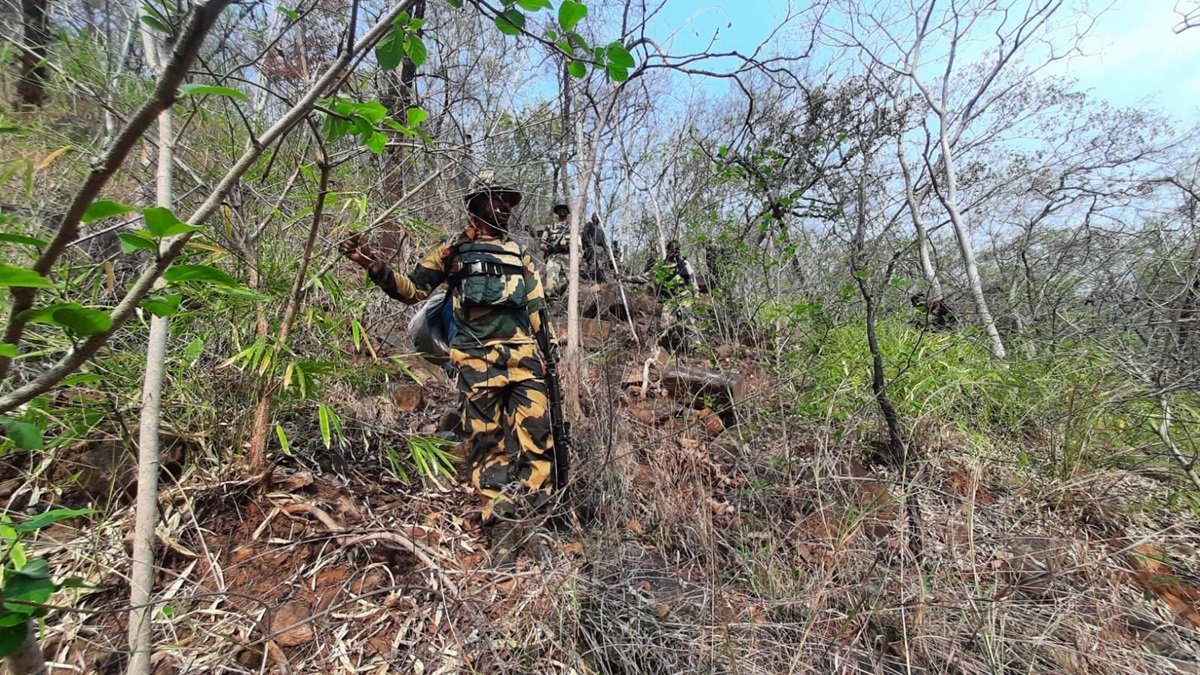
(949, 199)
(586, 151)
(571, 354)
(567, 127)
(110, 118)
(914, 210)
(141, 577)
(399, 99)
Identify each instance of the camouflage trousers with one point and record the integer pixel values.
(507, 416)
(677, 324)
(558, 266)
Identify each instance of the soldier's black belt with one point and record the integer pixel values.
(491, 269)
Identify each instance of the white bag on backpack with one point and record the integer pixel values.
(428, 329)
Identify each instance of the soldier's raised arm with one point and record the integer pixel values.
(408, 288)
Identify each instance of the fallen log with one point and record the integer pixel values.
(725, 390)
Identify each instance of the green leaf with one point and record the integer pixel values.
(8, 350)
(155, 24)
(211, 90)
(202, 273)
(16, 555)
(617, 54)
(104, 209)
(376, 142)
(617, 73)
(289, 13)
(9, 619)
(22, 277)
(27, 589)
(283, 440)
(82, 378)
(162, 222)
(83, 322)
(577, 69)
(11, 638)
(390, 50)
(193, 350)
(38, 569)
(163, 306)
(415, 48)
(577, 40)
(534, 5)
(22, 239)
(416, 116)
(131, 242)
(372, 110)
(510, 22)
(24, 435)
(47, 519)
(46, 314)
(570, 13)
(323, 418)
(241, 293)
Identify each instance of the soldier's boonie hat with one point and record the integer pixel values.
(486, 184)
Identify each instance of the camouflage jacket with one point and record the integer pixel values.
(496, 289)
(671, 278)
(555, 239)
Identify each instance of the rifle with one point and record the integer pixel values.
(559, 425)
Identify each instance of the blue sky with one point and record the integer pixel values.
(1132, 56)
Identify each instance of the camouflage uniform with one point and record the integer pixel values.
(675, 284)
(497, 297)
(555, 240)
(595, 252)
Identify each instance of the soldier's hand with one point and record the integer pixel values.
(357, 250)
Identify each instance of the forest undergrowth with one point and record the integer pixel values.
(936, 411)
(763, 538)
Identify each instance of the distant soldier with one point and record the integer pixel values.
(595, 251)
(674, 282)
(935, 313)
(555, 242)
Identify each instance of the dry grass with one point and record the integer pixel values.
(688, 553)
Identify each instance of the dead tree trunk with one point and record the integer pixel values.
(31, 88)
(400, 96)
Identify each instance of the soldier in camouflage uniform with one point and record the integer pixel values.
(555, 242)
(497, 296)
(674, 282)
